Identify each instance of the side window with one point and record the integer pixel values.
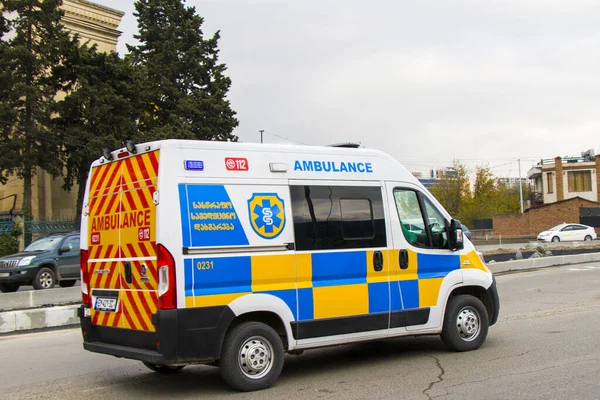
(338, 217)
(567, 228)
(72, 243)
(422, 223)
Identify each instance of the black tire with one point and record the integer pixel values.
(164, 369)
(44, 279)
(466, 323)
(259, 339)
(588, 238)
(9, 287)
(556, 239)
(67, 283)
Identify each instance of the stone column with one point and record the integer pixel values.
(560, 191)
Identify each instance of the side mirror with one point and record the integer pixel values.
(64, 249)
(455, 236)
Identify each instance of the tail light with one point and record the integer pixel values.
(167, 289)
(85, 277)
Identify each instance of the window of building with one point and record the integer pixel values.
(338, 217)
(413, 210)
(550, 181)
(580, 181)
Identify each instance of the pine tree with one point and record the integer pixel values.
(185, 87)
(33, 43)
(100, 110)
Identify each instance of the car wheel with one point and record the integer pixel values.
(556, 239)
(252, 357)
(67, 283)
(588, 238)
(45, 279)
(465, 323)
(164, 369)
(9, 287)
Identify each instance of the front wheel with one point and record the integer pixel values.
(465, 323)
(9, 287)
(45, 279)
(252, 357)
(164, 369)
(556, 239)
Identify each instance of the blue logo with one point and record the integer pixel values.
(267, 214)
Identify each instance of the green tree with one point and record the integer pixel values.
(33, 43)
(100, 110)
(185, 87)
(452, 190)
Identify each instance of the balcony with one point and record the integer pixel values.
(534, 172)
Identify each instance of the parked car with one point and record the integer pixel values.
(466, 231)
(44, 263)
(568, 232)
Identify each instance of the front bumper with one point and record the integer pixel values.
(20, 276)
(492, 293)
(182, 336)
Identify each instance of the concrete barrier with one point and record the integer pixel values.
(38, 318)
(40, 298)
(23, 311)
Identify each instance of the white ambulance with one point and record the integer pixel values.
(234, 254)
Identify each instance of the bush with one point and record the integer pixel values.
(9, 244)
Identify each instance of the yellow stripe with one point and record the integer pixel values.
(212, 300)
(340, 301)
(378, 276)
(273, 272)
(303, 271)
(429, 289)
(473, 261)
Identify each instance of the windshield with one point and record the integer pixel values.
(44, 244)
(557, 227)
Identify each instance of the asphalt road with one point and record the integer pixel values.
(545, 346)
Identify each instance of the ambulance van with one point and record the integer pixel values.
(232, 255)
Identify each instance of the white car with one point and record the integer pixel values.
(568, 232)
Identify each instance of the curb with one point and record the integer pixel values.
(66, 315)
(542, 262)
(38, 318)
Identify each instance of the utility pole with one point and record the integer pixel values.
(261, 135)
(520, 187)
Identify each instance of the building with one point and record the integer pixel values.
(95, 23)
(566, 178)
(514, 182)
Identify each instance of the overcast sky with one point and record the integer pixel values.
(485, 82)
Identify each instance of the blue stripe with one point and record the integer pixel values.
(436, 265)
(335, 269)
(188, 268)
(395, 294)
(379, 297)
(185, 219)
(229, 275)
(288, 297)
(410, 293)
(305, 305)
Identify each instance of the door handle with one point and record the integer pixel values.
(378, 261)
(403, 259)
(128, 274)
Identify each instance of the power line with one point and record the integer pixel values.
(284, 138)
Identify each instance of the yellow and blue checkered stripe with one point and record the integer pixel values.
(323, 285)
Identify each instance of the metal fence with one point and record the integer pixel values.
(35, 229)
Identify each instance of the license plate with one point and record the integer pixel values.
(4, 274)
(104, 304)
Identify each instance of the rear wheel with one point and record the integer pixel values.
(67, 283)
(9, 287)
(588, 238)
(252, 357)
(45, 279)
(164, 369)
(556, 239)
(465, 323)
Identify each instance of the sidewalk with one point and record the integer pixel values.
(34, 310)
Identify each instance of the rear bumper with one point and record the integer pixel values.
(181, 336)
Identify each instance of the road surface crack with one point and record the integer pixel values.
(440, 377)
(516, 355)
